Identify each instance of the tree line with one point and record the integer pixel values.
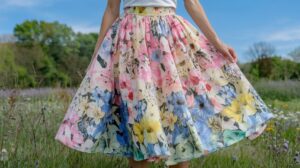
(45, 54)
(52, 54)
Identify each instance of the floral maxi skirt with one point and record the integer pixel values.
(159, 89)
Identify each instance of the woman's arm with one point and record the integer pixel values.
(196, 11)
(111, 13)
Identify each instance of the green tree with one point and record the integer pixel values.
(12, 74)
(56, 39)
(87, 44)
(295, 54)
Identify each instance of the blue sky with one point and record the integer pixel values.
(238, 23)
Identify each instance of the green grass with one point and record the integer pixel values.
(28, 127)
(281, 90)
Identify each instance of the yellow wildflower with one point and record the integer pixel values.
(270, 128)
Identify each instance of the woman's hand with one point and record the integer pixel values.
(227, 51)
(196, 11)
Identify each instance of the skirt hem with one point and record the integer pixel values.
(169, 163)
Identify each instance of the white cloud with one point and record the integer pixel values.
(291, 34)
(85, 28)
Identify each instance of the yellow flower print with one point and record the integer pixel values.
(98, 114)
(233, 111)
(168, 120)
(83, 106)
(139, 9)
(138, 131)
(248, 103)
(214, 123)
(243, 103)
(217, 76)
(147, 129)
(152, 128)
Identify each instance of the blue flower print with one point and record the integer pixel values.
(104, 96)
(201, 111)
(177, 105)
(105, 50)
(227, 92)
(140, 107)
(164, 28)
(155, 55)
(202, 108)
(123, 136)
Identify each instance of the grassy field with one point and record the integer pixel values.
(28, 126)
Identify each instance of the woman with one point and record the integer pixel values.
(157, 89)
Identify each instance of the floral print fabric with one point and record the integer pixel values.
(159, 89)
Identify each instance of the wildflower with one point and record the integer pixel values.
(285, 106)
(285, 145)
(3, 155)
(270, 128)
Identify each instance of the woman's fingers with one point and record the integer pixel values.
(227, 54)
(233, 54)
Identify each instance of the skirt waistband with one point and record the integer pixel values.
(149, 10)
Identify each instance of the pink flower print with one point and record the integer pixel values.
(130, 113)
(184, 84)
(156, 73)
(68, 132)
(103, 78)
(208, 87)
(130, 95)
(124, 81)
(195, 80)
(216, 105)
(194, 77)
(168, 79)
(190, 100)
(77, 137)
(72, 117)
(145, 74)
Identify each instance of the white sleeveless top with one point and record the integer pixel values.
(164, 3)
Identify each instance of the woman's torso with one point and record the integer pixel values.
(164, 3)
